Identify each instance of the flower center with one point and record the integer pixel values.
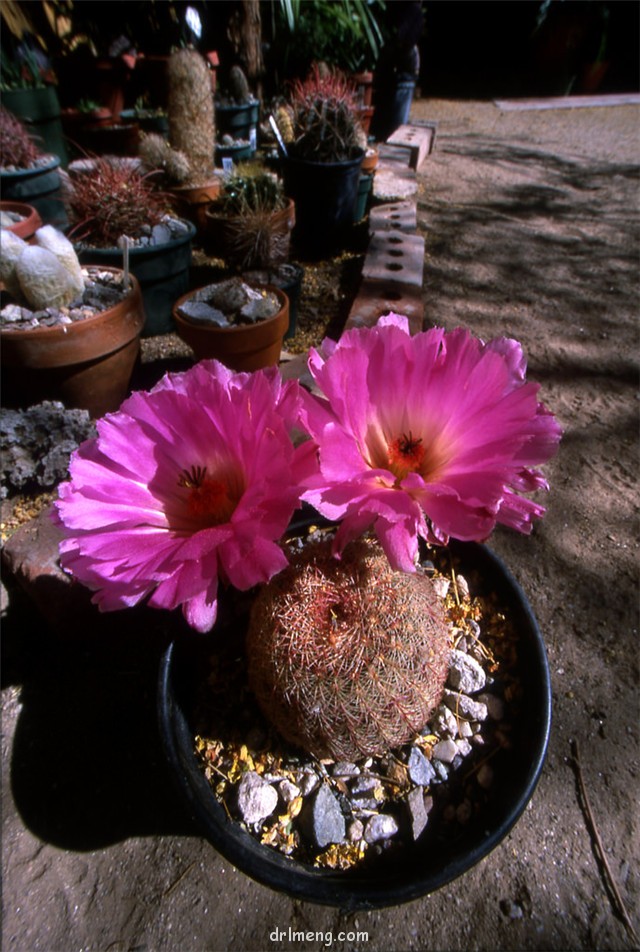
(209, 500)
(405, 455)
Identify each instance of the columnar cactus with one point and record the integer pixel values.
(191, 113)
(347, 658)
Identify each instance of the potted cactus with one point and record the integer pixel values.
(26, 175)
(237, 117)
(324, 154)
(68, 333)
(343, 643)
(112, 201)
(185, 162)
(250, 227)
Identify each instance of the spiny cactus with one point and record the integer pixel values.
(191, 113)
(250, 187)
(113, 200)
(158, 156)
(239, 90)
(17, 148)
(326, 127)
(347, 658)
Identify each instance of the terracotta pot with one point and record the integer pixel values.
(87, 364)
(192, 201)
(221, 231)
(364, 87)
(365, 115)
(243, 348)
(370, 161)
(30, 223)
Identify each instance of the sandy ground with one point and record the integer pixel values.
(531, 228)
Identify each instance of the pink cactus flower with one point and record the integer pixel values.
(185, 486)
(433, 435)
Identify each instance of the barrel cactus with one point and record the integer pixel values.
(347, 658)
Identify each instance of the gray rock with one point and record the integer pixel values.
(465, 674)
(361, 793)
(344, 768)
(463, 745)
(160, 234)
(260, 308)
(420, 770)
(326, 820)
(446, 751)
(380, 827)
(257, 799)
(308, 782)
(288, 791)
(418, 813)
(465, 707)
(355, 831)
(444, 722)
(198, 312)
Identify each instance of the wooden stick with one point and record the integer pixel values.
(602, 856)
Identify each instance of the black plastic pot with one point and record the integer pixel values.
(39, 109)
(162, 272)
(325, 194)
(436, 858)
(39, 187)
(238, 121)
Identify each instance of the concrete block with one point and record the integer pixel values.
(417, 140)
(396, 257)
(376, 298)
(394, 216)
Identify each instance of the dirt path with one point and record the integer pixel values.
(531, 228)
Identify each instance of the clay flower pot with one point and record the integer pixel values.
(86, 364)
(224, 236)
(30, 219)
(245, 347)
(192, 201)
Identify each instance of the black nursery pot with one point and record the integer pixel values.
(438, 857)
(325, 195)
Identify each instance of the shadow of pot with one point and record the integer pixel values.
(86, 364)
(419, 867)
(245, 347)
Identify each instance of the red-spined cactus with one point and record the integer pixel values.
(17, 148)
(347, 658)
(326, 127)
(112, 200)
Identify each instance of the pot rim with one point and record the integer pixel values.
(52, 163)
(63, 330)
(238, 328)
(139, 250)
(423, 868)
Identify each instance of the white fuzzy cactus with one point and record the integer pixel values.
(46, 274)
(11, 247)
(58, 244)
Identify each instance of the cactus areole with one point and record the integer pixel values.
(347, 658)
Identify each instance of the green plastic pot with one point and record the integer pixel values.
(39, 109)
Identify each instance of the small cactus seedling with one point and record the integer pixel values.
(347, 658)
(17, 148)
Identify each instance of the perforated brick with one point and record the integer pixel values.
(396, 257)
